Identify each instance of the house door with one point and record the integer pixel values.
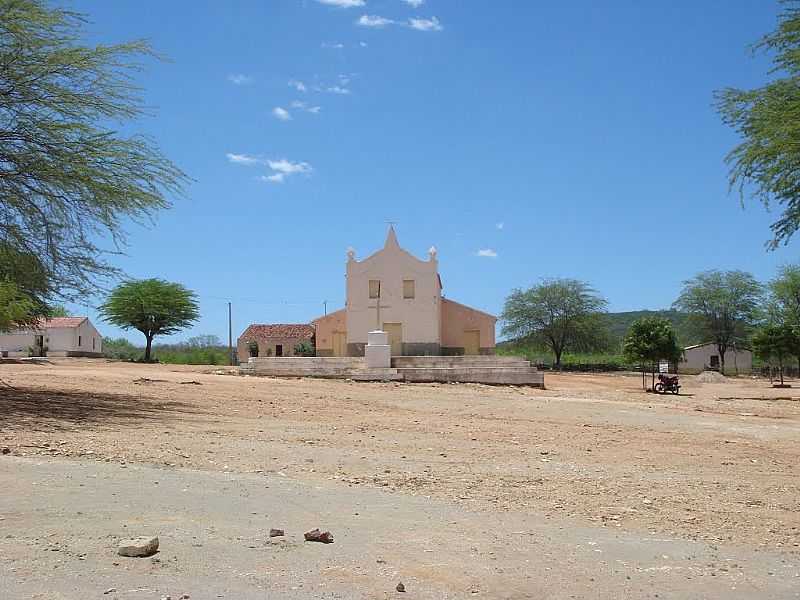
(395, 331)
(278, 349)
(472, 342)
(339, 343)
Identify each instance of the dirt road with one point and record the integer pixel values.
(708, 479)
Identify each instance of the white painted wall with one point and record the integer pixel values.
(57, 340)
(391, 265)
(699, 358)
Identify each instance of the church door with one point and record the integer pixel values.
(339, 343)
(472, 342)
(395, 331)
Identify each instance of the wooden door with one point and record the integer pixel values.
(395, 331)
(339, 343)
(472, 342)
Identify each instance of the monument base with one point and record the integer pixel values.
(378, 352)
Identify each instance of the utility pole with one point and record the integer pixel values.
(325, 304)
(230, 336)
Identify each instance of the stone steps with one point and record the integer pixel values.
(492, 376)
(458, 362)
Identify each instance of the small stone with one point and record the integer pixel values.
(110, 590)
(138, 547)
(276, 532)
(400, 587)
(315, 535)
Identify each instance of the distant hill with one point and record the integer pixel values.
(620, 322)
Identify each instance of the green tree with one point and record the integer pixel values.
(783, 306)
(16, 308)
(559, 314)
(776, 343)
(304, 348)
(767, 162)
(152, 306)
(649, 341)
(69, 177)
(722, 307)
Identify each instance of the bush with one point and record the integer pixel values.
(121, 349)
(304, 348)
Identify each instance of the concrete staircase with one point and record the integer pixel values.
(495, 370)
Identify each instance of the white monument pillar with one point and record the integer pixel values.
(378, 351)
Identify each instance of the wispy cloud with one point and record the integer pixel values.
(288, 167)
(414, 3)
(243, 159)
(431, 24)
(300, 105)
(374, 21)
(274, 178)
(333, 45)
(298, 85)
(240, 79)
(343, 3)
(363, 44)
(337, 89)
(486, 253)
(500, 225)
(281, 114)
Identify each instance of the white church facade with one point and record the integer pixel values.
(402, 294)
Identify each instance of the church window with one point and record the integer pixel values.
(408, 288)
(374, 288)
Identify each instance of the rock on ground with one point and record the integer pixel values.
(138, 547)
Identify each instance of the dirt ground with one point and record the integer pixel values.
(717, 464)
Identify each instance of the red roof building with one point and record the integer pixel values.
(273, 340)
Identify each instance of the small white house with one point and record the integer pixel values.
(59, 336)
(705, 357)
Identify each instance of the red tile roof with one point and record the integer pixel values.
(292, 331)
(57, 322)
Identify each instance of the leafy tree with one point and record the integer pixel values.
(649, 341)
(559, 314)
(68, 176)
(767, 161)
(120, 349)
(776, 342)
(722, 306)
(304, 348)
(783, 306)
(152, 306)
(16, 308)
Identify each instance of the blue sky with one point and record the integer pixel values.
(523, 139)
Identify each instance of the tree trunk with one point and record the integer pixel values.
(558, 358)
(780, 364)
(653, 377)
(644, 381)
(722, 361)
(148, 347)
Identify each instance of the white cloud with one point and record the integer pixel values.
(243, 159)
(240, 79)
(500, 225)
(287, 167)
(362, 44)
(336, 89)
(298, 85)
(335, 46)
(486, 253)
(414, 3)
(373, 21)
(300, 105)
(281, 114)
(431, 24)
(343, 3)
(274, 178)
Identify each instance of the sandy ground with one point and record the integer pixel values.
(708, 479)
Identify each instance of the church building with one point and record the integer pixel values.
(401, 294)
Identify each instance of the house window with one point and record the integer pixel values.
(408, 288)
(715, 362)
(79, 341)
(374, 288)
(93, 340)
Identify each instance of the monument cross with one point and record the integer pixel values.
(378, 306)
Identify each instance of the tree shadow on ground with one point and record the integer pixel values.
(31, 407)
